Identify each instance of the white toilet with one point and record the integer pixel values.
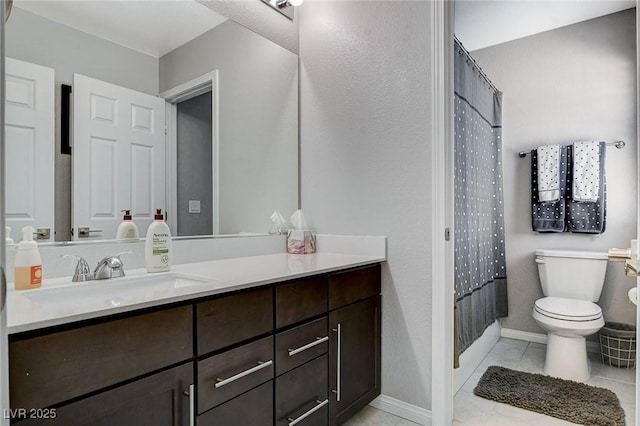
(572, 282)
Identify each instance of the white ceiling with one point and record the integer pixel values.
(154, 27)
(483, 23)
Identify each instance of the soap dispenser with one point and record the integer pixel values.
(127, 230)
(157, 246)
(27, 263)
(7, 236)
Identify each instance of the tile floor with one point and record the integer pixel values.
(519, 355)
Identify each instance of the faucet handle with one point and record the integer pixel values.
(110, 267)
(82, 272)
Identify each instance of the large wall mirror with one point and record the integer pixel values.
(164, 104)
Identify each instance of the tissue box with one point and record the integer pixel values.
(301, 241)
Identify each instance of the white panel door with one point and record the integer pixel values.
(118, 157)
(29, 147)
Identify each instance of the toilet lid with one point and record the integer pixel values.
(568, 309)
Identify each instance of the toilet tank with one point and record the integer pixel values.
(574, 274)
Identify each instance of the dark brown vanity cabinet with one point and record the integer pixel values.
(66, 369)
(354, 347)
(303, 352)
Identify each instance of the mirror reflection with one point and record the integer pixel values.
(171, 106)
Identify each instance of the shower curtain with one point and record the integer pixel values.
(480, 270)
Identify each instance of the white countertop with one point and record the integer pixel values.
(33, 309)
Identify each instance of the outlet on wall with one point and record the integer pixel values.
(194, 206)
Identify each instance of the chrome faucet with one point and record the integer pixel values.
(83, 272)
(110, 267)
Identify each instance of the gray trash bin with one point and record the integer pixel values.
(618, 344)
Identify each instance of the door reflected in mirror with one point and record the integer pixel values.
(226, 154)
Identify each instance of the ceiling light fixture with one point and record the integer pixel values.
(285, 7)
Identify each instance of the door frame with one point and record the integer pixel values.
(199, 85)
(4, 343)
(442, 32)
(442, 26)
(637, 417)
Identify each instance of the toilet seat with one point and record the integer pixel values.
(568, 309)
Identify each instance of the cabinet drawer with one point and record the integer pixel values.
(254, 408)
(232, 319)
(353, 285)
(158, 400)
(53, 368)
(302, 394)
(224, 376)
(300, 300)
(301, 344)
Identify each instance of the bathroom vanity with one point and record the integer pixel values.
(302, 350)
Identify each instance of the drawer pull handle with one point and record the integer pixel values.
(308, 413)
(318, 341)
(260, 366)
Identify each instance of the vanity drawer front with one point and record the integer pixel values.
(300, 344)
(254, 408)
(304, 392)
(56, 367)
(224, 376)
(228, 320)
(300, 300)
(355, 284)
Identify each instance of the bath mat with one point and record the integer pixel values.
(564, 399)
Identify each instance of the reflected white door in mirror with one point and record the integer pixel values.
(118, 157)
(29, 128)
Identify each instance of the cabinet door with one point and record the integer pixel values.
(354, 363)
(159, 400)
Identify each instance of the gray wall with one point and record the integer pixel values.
(260, 18)
(365, 155)
(258, 121)
(37, 40)
(194, 171)
(573, 83)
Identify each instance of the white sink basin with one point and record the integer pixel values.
(116, 291)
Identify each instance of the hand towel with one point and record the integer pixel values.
(586, 171)
(548, 216)
(548, 173)
(587, 217)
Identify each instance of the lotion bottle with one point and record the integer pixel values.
(27, 263)
(7, 235)
(127, 230)
(157, 246)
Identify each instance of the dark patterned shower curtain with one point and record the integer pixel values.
(480, 271)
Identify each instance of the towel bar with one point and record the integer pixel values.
(617, 144)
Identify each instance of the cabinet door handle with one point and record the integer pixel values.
(308, 413)
(260, 366)
(318, 340)
(337, 390)
(192, 404)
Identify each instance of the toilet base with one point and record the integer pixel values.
(567, 358)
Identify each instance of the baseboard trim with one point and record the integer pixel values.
(527, 336)
(402, 409)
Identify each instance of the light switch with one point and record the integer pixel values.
(194, 206)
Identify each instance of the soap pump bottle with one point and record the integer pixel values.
(127, 230)
(7, 235)
(157, 246)
(27, 263)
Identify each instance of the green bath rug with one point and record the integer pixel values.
(564, 399)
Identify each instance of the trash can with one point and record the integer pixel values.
(618, 344)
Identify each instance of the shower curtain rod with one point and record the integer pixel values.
(475, 64)
(617, 144)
